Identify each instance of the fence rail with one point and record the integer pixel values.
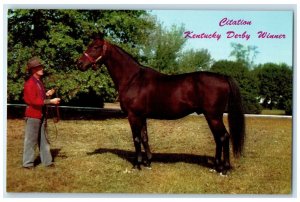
(69, 112)
(75, 112)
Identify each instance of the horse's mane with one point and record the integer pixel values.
(121, 50)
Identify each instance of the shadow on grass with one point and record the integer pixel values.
(204, 161)
(54, 152)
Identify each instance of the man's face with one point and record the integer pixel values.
(39, 71)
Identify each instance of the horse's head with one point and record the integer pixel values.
(94, 54)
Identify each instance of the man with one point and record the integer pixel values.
(36, 98)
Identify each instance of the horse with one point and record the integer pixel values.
(146, 93)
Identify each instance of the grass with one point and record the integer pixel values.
(95, 157)
(273, 112)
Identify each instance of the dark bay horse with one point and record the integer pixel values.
(145, 93)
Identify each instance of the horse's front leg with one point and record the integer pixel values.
(136, 125)
(144, 135)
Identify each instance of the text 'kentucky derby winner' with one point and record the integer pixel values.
(233, 34)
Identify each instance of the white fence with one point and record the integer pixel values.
(114, 109)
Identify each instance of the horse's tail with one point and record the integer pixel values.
(236, 118)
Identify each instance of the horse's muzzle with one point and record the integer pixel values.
(81, 65)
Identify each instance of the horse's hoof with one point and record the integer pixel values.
(127, 171)
(212, 170)
(221, 172)
(148, 167)
(136, 167)
(147, 164)
(224, 173)
(219, 168)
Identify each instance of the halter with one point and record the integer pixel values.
(94, 61)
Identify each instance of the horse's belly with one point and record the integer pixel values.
(166, 116)
(169, 111)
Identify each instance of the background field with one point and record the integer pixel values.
(95, 157)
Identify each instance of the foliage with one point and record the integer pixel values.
(164, 52)
(244, 54)
(288, 107)
(275, 84)
(246, 80)
(194, 60)
(59, 37)
(163, 48)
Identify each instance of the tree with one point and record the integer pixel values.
(275, 84)
(163, 49)
(244, 54)
(59, 37)
(247, 81)
(194, 60)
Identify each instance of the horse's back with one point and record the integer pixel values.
(157, 95)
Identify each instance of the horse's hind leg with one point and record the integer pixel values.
(226, 154)
(144, 135)
(221, 138)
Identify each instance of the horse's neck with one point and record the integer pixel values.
(121, 67)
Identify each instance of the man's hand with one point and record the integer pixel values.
(50, 92)
(55, 101)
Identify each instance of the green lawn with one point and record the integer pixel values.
(273, 112)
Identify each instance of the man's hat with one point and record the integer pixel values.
(33, 63)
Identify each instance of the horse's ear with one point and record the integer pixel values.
(98, 35)
(101, 35)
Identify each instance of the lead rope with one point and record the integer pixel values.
(55, 120)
